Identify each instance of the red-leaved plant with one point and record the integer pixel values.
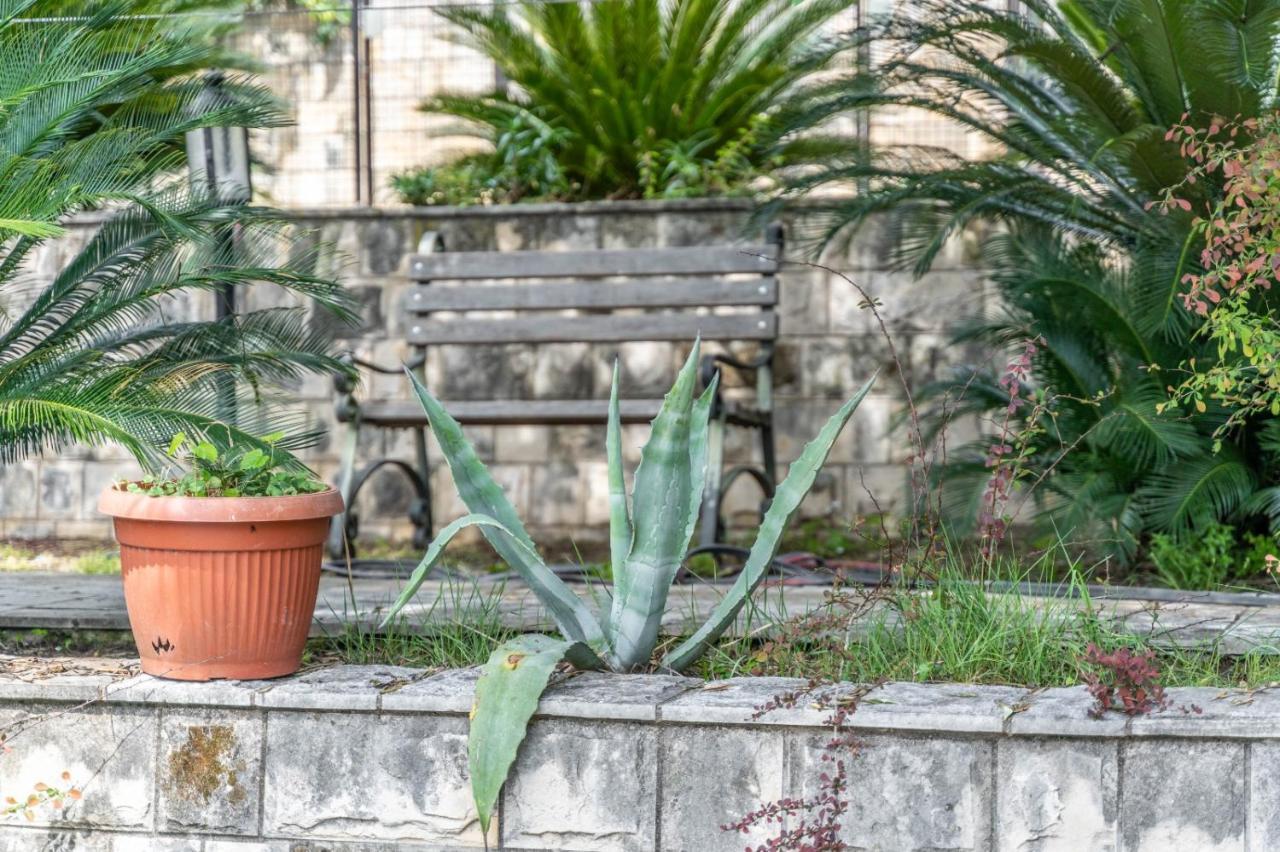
(1123, 681)
(810, 824)
(1240, 259)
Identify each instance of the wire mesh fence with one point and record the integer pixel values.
(354, 73)
(354, 77)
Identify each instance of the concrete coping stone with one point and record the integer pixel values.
(754, 701)
(67, 687)
(1207, 712)
(590, 695)
(893, 706)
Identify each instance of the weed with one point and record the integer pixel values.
(1123, 680)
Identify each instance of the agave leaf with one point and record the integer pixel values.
(506, 534)
(698, 455)
(619, 514)
(660, 503)
(507, 694)
(786, 500)
(436, 550)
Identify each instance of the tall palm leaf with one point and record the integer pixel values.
(92, 115)
(1076, 98)
(623, 80)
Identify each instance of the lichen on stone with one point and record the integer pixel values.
(201, 766)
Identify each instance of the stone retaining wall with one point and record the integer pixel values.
(556, 475)
(373, 758)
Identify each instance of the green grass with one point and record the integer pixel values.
(460, 628)
(97, 562)
(955, 633)
(958, 633)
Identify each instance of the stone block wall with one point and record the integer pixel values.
(368, 758)
(556, 475)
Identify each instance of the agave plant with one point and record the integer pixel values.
(611, 89)
(93, 112)
(1074, 99)
(648, 537)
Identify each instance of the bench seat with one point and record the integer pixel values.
(541, 412)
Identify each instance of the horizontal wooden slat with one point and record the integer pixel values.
(663, 293)
(533, 411)
(497, 412)
(714, 260)
(595, 328)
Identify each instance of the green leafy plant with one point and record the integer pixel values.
(688, 170)
(1206, 563)
(230, 472)
(1218, 556)
(1073, 100)
(632, 98)
(1240, 261)
(105, 352)
(649, 534)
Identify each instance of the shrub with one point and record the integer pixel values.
(641, 98)
(1076, 100)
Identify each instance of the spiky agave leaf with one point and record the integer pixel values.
(507, 535)
(786, 500)
(661, 502)
(507, 694)
(619, 513)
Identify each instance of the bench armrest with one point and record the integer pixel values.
(344, 384)
(708, 367)
(760, 367)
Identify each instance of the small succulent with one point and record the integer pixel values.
(649, 535)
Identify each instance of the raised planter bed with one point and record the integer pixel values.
(372, 758)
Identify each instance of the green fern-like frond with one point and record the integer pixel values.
(93, 110)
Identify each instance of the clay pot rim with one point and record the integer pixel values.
(294, 507)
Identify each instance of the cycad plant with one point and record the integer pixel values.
(93, 110)
(620, 98)
(1076, 97)
(648, 537)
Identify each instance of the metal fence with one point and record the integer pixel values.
(355, 73)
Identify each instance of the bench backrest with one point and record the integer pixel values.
(542, 285)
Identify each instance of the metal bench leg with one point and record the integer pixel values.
(712, 524)
(768, 450)
(420, 509)
(346, 476)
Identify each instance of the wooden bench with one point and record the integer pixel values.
(571, 297)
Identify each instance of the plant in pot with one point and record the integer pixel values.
(649, 535)
(221, 562)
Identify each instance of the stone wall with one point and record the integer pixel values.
(556, 475)
(374, 758)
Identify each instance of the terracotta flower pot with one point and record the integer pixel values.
(220, 587)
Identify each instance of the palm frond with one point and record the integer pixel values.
(93, 108)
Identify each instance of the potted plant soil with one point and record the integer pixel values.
(221, 564)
